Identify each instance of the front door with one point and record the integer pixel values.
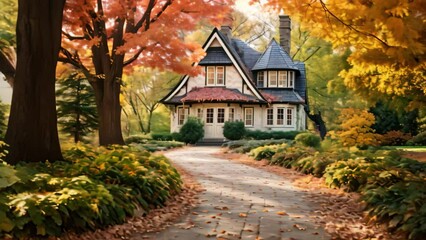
(215, 119)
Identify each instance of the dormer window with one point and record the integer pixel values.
(276, 79)
(215, 75)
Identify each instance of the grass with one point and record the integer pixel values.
(411, 148)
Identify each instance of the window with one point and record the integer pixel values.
(209, 117)
(215, 75)
(270, 116)
(200, 113)
(282, 79)
(272, 79)
(220, 115)
(260, 79)
(290, 79)
(210, 75)
(248, 116)
(289, 116)
(280, 116)
(231, 115)
(182, 114)
(220, 75)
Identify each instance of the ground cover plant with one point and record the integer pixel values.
(392, 187)
(92, 188)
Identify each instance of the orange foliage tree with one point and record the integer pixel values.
(386, 38)
(103, 37)
(355, 128)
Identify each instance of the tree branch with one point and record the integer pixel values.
(350, 26)
(134, 57)
(70, 37)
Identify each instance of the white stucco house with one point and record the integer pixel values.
(267, 91)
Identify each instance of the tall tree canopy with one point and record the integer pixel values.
(103, 37)
(386, 38)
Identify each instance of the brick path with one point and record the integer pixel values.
(240, 202)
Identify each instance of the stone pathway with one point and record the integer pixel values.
(240, 202)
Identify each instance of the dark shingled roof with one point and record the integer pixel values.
(246, 53)
(214, 94)
(300, 85)
(274, 58)
(274, 95)
(215, 55)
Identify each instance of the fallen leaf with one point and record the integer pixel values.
(282, 213)
(242, 215)
(301, 228)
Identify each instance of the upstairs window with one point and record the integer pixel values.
(272, 78)
(215, 76)
(281, 79)
(291, 79)
(260, 79)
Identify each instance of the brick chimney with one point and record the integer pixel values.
(285, 32)
(227, 31)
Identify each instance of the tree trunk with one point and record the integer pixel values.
(32, 132)
(107, 94)
(7, 64)
(319, 122)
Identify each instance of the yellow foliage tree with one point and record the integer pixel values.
(386, 38)
(355, 128)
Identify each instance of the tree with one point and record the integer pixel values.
(32, 132)
(355, 128)
(103, 37)
(8, 13)
(386, 38)
(143, 91)
(76, 106)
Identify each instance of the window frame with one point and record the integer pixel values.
(270, 79)
(291, 111)
(251, 119)
(261, 78)
(220, 116)
(291, 78)
(213, 73)
(208, 117)
(269, 117)
(280, 116)
(231, 112)
(284, 81)
(182, 115)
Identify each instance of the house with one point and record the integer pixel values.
(267, 91)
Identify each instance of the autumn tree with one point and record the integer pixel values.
(8, 11)
(77, 113)
(143, 91)
(386, 38)
(32, 132)
(355, 128)
(103, 37)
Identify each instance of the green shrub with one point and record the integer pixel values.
(263, 135)
(176, 136)
(419, 139)
(94, 188)
(401, 206)
(192, 131)
(162, 136)
(136, 139)
(244, 146)
(265, 152)
(234, 130)
(308, 139)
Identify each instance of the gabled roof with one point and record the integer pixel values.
(274, 58)
(233, 56)
(214, 94)
(246, 53)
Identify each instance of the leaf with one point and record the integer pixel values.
(282, 213)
